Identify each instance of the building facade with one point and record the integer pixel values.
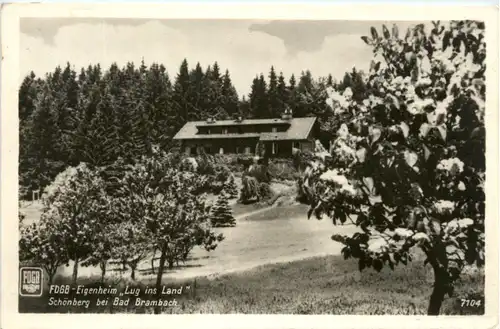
(276, 137)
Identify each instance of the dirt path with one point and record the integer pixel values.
(251, 213)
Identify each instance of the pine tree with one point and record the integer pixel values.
(180, 95)
(258, 98)
(229, 96)
(329, 81)
(214, 93)
(272, 94)
(222, 214)
(197, 91)
(292, 94)
(38, 163)
(229, 187)
(283, 94)
(27, 96)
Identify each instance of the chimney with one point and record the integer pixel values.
(287, 114)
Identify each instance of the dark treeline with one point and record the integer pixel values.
(96, 116)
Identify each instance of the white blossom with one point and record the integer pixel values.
(377, 245)
(349, 189)
(443, 206)
(424, 82)
(333, 176)
(348, 92)
(465, 222)
(451, 164)
(461, 186)
(403, 232)
(421, 237)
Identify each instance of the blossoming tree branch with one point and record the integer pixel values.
(408, 164)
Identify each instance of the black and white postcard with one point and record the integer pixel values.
(298, 165)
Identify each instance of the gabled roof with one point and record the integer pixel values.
(299, 129)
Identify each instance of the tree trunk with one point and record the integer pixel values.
(161, 268)
(103, 270)
(153, 262)
(439, 291)
(132, 275)
(51, 277)
(75, 271)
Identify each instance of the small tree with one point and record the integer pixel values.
(249, 189)
(76, 204)
(230, 187)
(164, 203)
(43, 244)
(222, 214)
(410, 169)
(131, 244)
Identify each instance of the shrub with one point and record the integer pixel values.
(230, 188)
(265, 191)
(260, 172)
(221, 213)
(249, 190)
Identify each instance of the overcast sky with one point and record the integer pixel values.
(244, 47)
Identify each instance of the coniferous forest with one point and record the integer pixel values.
(96, 115)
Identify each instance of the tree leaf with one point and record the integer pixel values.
(366, 40)
(405, 129)
(411, 158)
(361, 154)
(377, 265)
(395, 31)
(424, 129)
(427, 152)
(442, 131)
(478, 133)
(408, 34)
(446, 40)
(374, 33)
(369, 183)
(375, 133)
(374, 199)
(386, 32)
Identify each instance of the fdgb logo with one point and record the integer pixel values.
(30, 281)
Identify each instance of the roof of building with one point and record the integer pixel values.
(299, 129)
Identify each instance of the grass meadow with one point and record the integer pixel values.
(319, 285)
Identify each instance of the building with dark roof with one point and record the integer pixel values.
(277, 137)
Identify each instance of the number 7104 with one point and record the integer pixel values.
(470, 302)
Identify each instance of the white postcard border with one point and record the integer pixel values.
(10, 16)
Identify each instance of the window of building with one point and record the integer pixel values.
(296, 145)
(274, 148)
(237, 150)
(224, 130)
(274, 129)
(247, 150)
(221, 150)
(208, 131)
